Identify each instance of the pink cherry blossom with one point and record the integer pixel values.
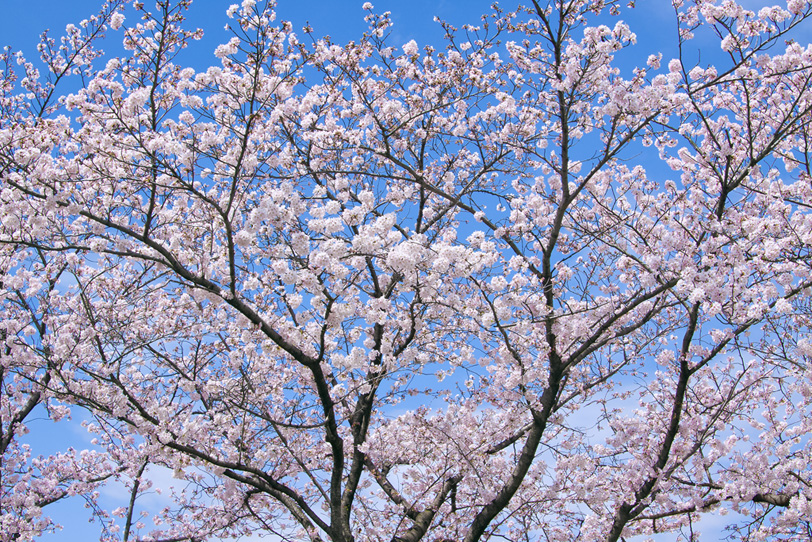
(503, 289)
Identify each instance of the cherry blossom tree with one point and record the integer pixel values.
(501, 289)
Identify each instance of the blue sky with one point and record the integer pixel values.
(341, 19)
